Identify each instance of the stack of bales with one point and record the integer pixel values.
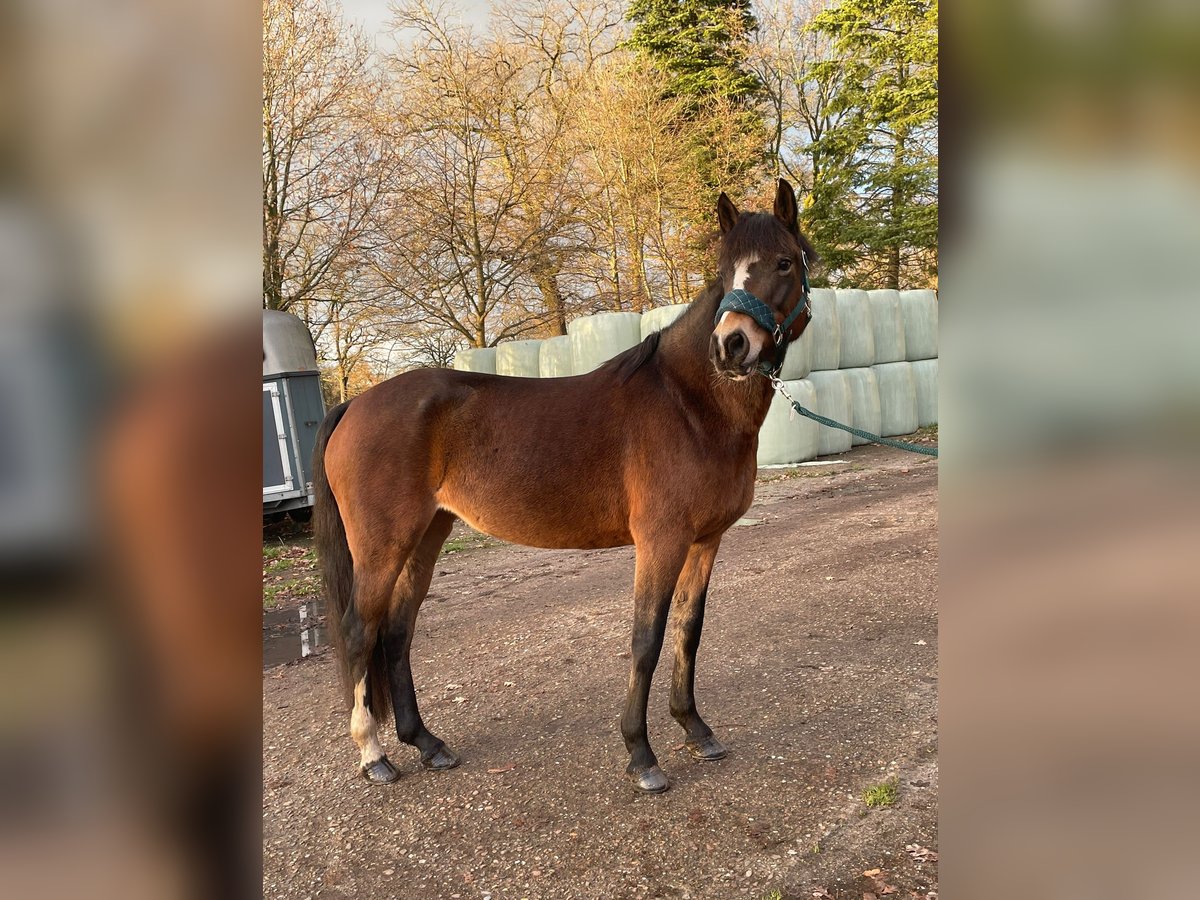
(597, 339)
(921, 338)
(555, 358)
(519, 358)
(870, 361)
(476, 359)
(867, 358)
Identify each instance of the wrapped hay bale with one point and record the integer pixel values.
(857, 345)
(555, 359)
(660, 317)
(518, 358)
(476, 359)
(798, 362)
(887, 322)
(597, 339)
(864, 402)
(784, 438)
(920, 324)
(832, 401)
(897, 398)
(925, 378)
(826, 334)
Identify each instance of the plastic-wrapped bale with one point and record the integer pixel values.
(925, 378)
(798, 362)
(897, 398)
(864, 402)
(832, 401)
(784, 438)
(920, 324)
(476, 359)
(827, 335)
(518, 358)
(597, 339)
(555, 359)
(660, 317)
(887, 322)
(857, 345)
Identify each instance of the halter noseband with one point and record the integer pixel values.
(742, 301)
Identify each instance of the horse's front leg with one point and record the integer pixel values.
(690, 595)
(659, 561)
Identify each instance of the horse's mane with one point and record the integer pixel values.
(623, 365)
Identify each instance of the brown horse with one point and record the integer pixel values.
(656, 448)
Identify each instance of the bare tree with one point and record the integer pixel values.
(782, 54)
(474, 187)
(475, 223)
(325, 164)
(644, 188)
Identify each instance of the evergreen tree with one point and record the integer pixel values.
(873, 210)
(700, 44)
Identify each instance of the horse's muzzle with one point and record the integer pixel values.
(732, 355)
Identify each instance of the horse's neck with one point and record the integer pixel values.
(683, 354)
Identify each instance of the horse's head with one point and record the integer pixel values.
(764, 256)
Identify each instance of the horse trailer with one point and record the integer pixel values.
(292, 411)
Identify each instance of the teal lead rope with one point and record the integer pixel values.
(865, 435)
(743, 301)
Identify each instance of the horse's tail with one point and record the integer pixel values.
(337, 570)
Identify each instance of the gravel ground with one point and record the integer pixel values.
(818, 669)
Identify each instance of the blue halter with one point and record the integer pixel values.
(743, 301)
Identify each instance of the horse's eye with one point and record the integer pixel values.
(785, 264)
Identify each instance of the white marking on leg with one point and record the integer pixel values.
(741, 272)
(362, 726)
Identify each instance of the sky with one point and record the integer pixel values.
(374, 15)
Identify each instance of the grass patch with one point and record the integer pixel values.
(881, 794)
(271, 595)
(773, 894)
(929, 431)
(305, 586)
(281, 557)
(468, 540)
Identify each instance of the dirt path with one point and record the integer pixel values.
(818, 669)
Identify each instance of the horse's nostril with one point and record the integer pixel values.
(735, 346)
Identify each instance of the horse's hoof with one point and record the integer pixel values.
(380, 772)
(650, 781)
(707, 749)
(442, 758)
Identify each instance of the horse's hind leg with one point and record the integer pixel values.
(360, 638)
(380, 556)
(397, 641)
(690, 595)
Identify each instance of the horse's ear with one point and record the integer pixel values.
(786, 210)
(727, 213)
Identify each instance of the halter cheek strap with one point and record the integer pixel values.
(743, 301)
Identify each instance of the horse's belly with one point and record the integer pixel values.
(553, 520)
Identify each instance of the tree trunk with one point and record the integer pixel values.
(892, 271)
(614, 262)
(639, 294)
(547, 283)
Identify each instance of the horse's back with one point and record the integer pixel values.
(532, 461)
